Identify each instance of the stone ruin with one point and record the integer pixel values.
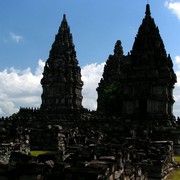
(90, 154)
(132, 135)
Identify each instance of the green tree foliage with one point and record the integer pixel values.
(111, 99)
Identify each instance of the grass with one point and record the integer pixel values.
(177, 159)
(176, 174)
(36, 153)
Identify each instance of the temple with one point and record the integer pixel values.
(61, 82)
(132, 135)
(109, 84)
(140, 85)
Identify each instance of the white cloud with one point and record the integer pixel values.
(174, 7)
(20, 88)
(15, 37)
(177, 87)
(177, 61)
(177, 95)
(91, 75)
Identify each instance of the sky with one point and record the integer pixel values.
(28, 29)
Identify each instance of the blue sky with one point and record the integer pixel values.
(95, 26)
(28, 28)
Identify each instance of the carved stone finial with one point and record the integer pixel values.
(118, 49)
(64, 17)
(148, 12)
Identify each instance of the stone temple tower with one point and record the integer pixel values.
(108, 86)
(61, 82)
(144, 91)
(152, 70)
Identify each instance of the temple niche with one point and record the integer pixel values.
(61, 82)
(142, 82)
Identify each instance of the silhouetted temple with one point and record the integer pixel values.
(132, 135)
(139, 86)
(61, 80)
(108, 89)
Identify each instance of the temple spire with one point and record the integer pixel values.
(148, 45)
(108, 86)
(64, 17)
(118, 49)
(63, 40)
(64, 27)
(61, 80)
(148, 12)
